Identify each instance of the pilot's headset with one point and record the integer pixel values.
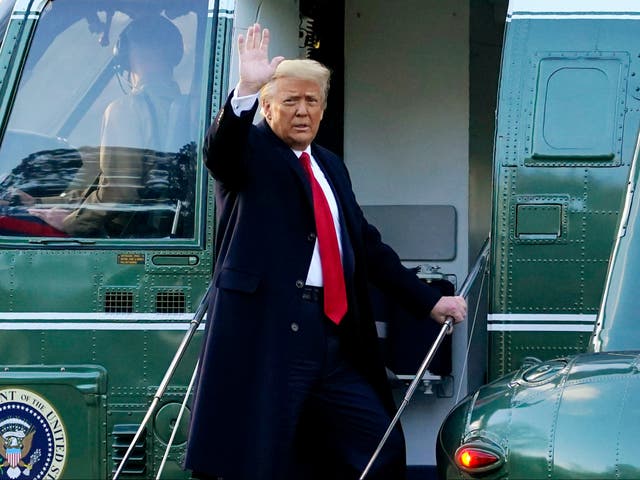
(154, 32)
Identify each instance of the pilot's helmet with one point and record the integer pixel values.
(156, 33)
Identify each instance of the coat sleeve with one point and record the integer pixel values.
(225, 146)
(387, 272)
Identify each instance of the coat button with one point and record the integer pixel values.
(294, 327)
(299, 283)
(311, 237)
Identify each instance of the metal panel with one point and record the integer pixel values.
(416, 232)
(577, 109)
(538, 221)
(566, 125)
(62, 410)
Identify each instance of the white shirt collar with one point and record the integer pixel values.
(299, 152)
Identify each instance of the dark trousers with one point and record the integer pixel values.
(336, 418)
(341, 418)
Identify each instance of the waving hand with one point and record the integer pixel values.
(255, 67)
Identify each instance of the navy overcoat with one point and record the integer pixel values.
(264, 243)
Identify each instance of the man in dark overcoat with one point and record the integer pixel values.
(291, 385)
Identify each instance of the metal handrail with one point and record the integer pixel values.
(183, 407)
(447, 327)
(193, 326)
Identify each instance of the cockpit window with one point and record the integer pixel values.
(101, 141)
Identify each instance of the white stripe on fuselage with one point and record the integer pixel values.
(94, 326)
(63, 316)
(528, 322)
(574, 6)
(555, 16)
(95, 321)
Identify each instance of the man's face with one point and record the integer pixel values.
(294, 111)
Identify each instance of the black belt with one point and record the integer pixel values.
(312, 294)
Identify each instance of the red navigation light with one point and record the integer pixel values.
(476, 458)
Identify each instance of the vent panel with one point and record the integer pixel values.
(118, 302)
(136, 464)
(170, 302)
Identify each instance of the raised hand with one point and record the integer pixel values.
(255, 67)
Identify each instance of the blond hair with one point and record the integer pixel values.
(302, 69)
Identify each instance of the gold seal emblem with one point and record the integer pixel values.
(33, 440)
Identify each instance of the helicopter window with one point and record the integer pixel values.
(577, 111)
(101, 140)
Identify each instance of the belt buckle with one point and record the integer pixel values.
(306, 294)
(311, 293)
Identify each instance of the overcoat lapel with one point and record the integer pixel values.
(287, 154)
(330, 170)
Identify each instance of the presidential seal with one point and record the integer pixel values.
(33, 440)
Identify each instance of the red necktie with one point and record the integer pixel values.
(335, 293)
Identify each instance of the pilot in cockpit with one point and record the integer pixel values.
(133, 127)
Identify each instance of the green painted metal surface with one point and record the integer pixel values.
(90, 324)
(566, 124)
(617, 320)
(574, 416)
(561, 419)
(70, 403)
